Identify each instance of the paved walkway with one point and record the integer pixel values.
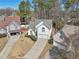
(11, 42)
(37, 49)
(46, 56)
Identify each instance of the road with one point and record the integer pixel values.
(37, 49)
(8, 47)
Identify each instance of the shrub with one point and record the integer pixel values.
(59, 24)
(27, 35)
(31, 36)
(50, 41)
(3, 35)
(21, 32)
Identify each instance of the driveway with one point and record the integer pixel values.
(37, 49)
(46, 56)
(8, 47)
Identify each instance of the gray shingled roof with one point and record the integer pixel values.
(69, 30)
(47, 23)
(32, 25)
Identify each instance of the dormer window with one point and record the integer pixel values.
(43, 29)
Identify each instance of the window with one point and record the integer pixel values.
(62, 34)
(31, 32)
(43, 29)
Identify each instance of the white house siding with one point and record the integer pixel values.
(40, 34)
(2, 31)
(13, 26)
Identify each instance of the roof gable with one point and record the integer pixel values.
(9, 19)
(43, 26)
(47, 23)
(39, 24)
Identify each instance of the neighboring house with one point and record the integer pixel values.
(13, 24)
(40, 28)
(10, 24)
(61, 42)
(3, 31)
(2, 27)
(62, 36)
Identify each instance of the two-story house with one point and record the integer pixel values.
(40, 28)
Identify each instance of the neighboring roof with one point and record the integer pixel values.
(47, 23)
(10, 19)
(2, 24)
(56, 53)
(7, 20)
(70, 29)
(67, 30)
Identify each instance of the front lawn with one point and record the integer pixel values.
(23, 45)
(3, 42)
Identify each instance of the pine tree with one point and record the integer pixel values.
(24, 10)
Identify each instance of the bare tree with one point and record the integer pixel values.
(7, 11)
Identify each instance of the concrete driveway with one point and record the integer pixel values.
(37, 49)
(8, 47)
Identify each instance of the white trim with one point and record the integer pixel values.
(39, 24)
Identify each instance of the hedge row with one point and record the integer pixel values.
(3, 35)
(31, 36)
(50, 41)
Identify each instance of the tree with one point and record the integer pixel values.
(43, 7)
(24, 10)
(69, 3)
(7, 11)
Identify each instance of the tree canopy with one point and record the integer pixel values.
(24, 11)
(69, 3)
(25, 8)
(42, 7)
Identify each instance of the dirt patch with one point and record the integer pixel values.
(3, 42)
(22, 46)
